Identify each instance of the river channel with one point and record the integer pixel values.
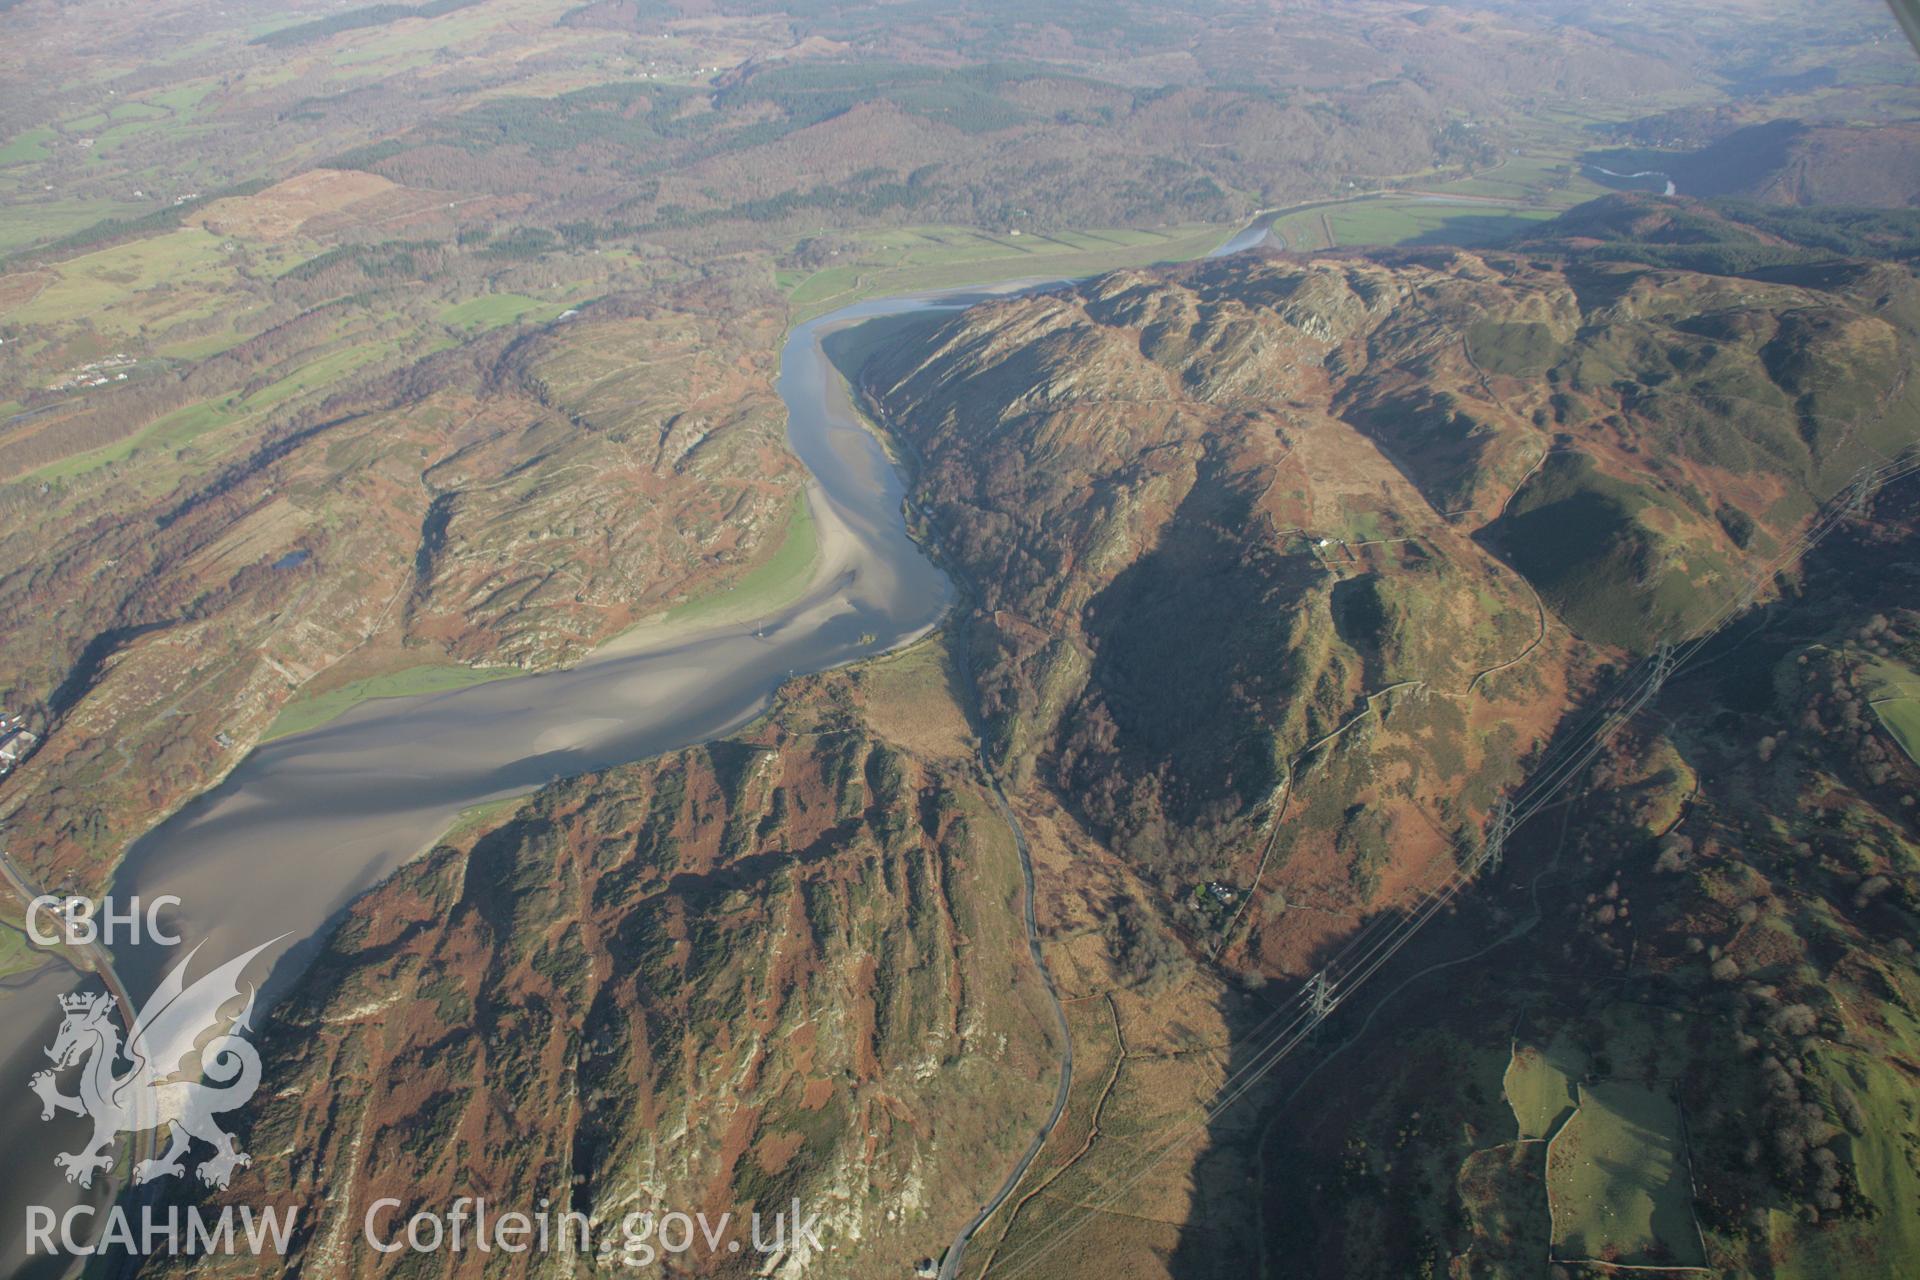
(307, 823)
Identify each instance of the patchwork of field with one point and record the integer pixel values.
(1604, 1160)
(1538, 181)
(171, 433)
(1427, 220)
(1537, 175)
(27, 147)
(182, 428)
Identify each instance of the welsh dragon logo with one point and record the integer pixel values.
(157, 1089)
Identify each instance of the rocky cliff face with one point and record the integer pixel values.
(786, 965)
(1281, 572)
(1284, 568)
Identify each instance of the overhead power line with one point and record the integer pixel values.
(1363, 955)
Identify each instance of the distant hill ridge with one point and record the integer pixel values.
(1789, 162)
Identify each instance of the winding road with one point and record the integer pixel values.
(1257, 231)
(956, 1252)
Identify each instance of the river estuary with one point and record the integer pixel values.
(307, 823)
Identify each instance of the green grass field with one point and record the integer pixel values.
(200, 348)
(485, 814)
(1902, 719)
(902, 260)
(1300, 231)
(32, 221)
(1397, 220)
(1541, 1085)
(90, 286)
(317, 374)
(1617, 1180)
(1554, 178)
(775, 581)
(1894, 692)
(1883, 1160)
(118, 125)
(17, 955)
(1416, 221)
(24, 148)
(182, 98)
(117, 290)
(171, 432)
(305, 713)
(495, 309)
(1885, 1246)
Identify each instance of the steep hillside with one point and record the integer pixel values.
(1824, 247)
(1790, 162)
(1191, 571)
(1256, 544)
(784, 965)
(1725, 959)
(1283, 570)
